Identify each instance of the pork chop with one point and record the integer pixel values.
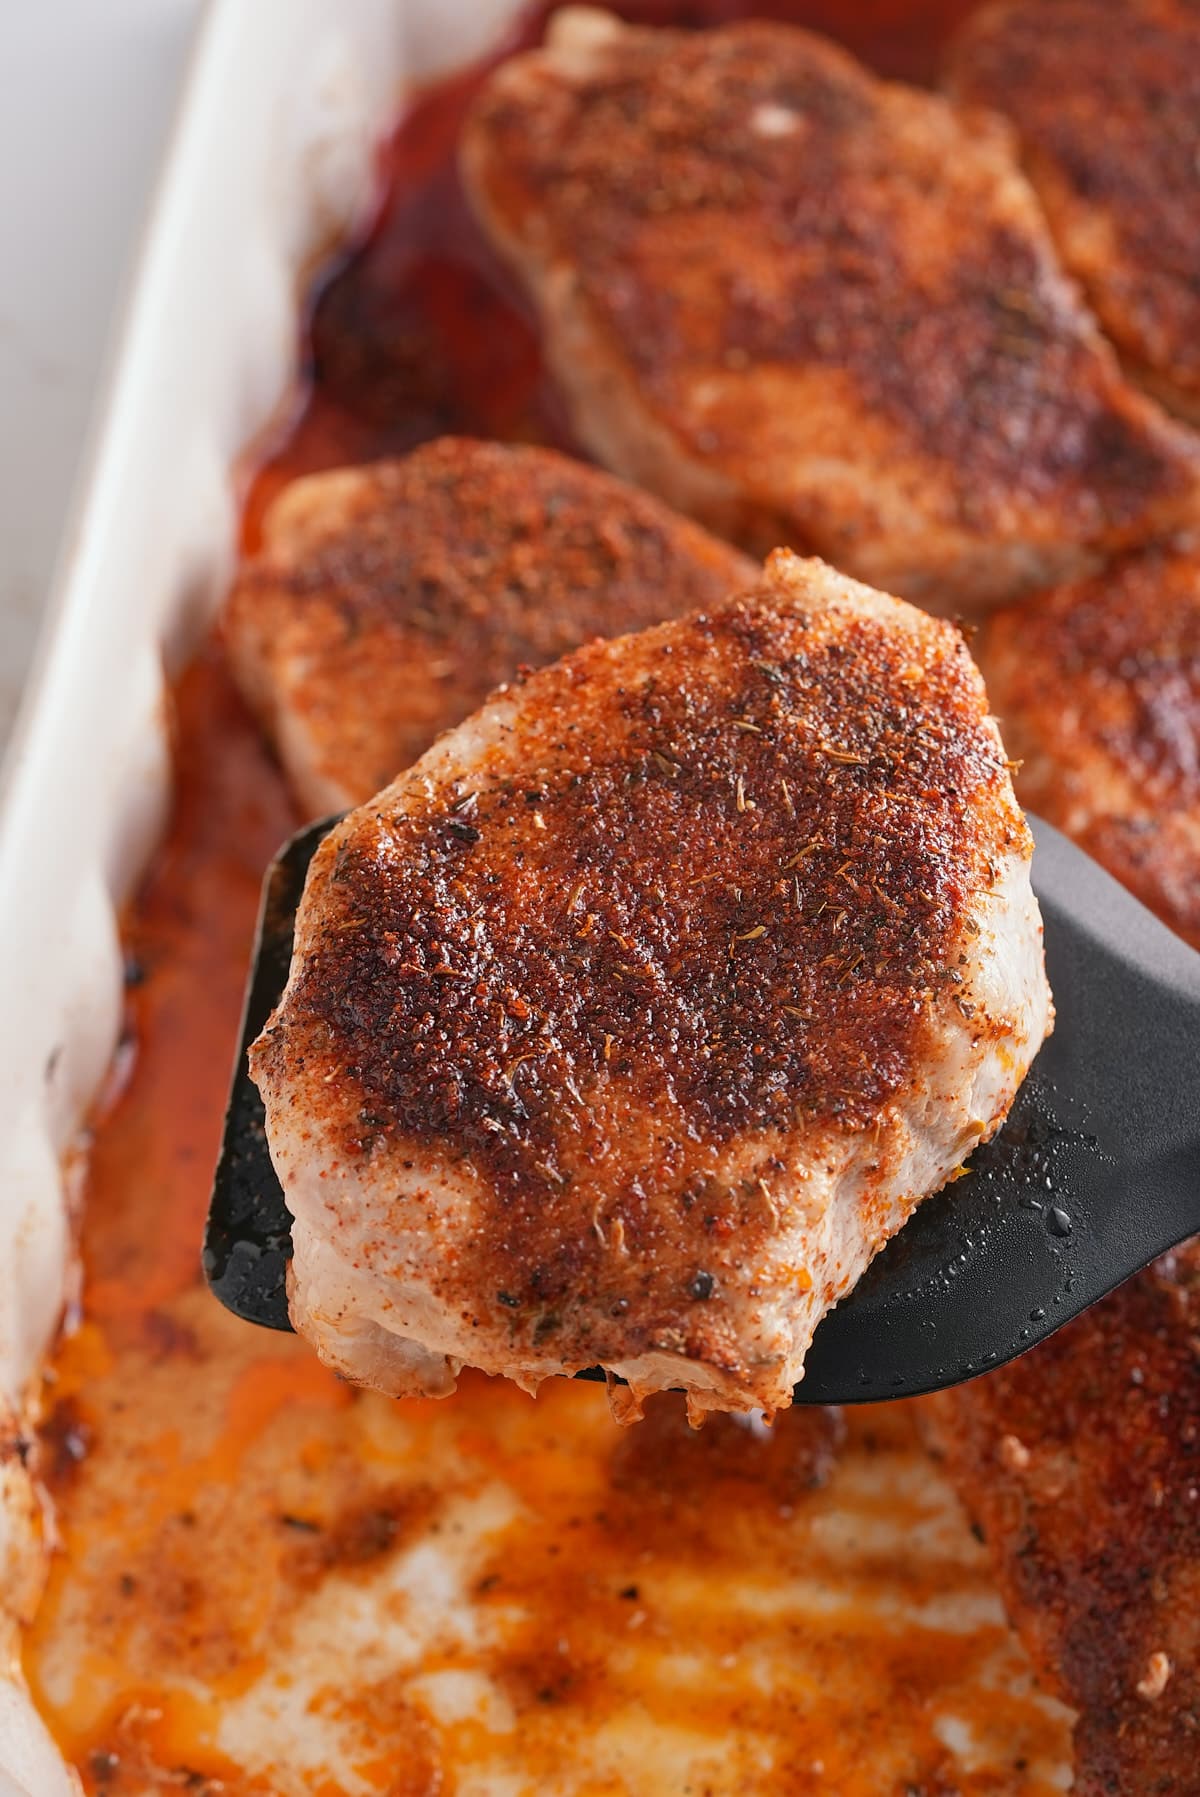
(1080, 1463)
(1097, 686)
(626, 1026)
(1105, 95)
(387, 601)
(814, 308)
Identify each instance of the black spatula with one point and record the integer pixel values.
(1096, 1171)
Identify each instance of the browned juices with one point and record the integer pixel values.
(269, 1583)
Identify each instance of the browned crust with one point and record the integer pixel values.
(1081, 1465)
(728, 898)
(1097, 686)
(1106, 97)
(879, 271)
(432, 579)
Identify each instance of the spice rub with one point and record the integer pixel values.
(629, 1024)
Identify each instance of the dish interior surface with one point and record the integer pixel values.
(269, 1583)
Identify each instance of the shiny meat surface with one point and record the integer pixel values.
(388, 600)
(1105, 95)
(629, 1024)
(1081, 1465)
(1097, 687)
(813, 308)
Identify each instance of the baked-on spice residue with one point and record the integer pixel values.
(268, 1585)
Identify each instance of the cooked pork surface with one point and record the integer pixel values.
(814, 308)
(1097, 687)
(627, 1025)
(1080, 1462)
(1105, 95)
(387, 601)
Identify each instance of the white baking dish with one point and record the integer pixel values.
(271, 160)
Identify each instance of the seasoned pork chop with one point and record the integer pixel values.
(1081, 1464)
(387, 601)
(1097, 686)
(814, 308)
(1105, 95)
(627, 1025)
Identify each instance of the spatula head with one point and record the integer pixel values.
(1095, 1172)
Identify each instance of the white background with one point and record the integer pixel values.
(89, 91)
